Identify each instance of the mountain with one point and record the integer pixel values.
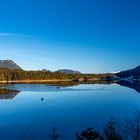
(66, 71)
(9, 64)
(130, 73)
(45, 70)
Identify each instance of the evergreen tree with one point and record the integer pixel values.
(54, 135)
(88, 134)
(110, 131)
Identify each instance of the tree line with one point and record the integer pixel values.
(14, 74)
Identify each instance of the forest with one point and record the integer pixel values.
(15, 75)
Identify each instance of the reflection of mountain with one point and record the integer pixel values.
(50, 86)
(7, 94)
(135, 85)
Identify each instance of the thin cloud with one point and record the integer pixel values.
(6, 34)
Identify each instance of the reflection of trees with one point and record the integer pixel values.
(7, 93)
(74, 83)
(134, 85)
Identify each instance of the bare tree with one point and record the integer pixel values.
(131, 127)
(110, 130)
(25, 134)
(54, 135)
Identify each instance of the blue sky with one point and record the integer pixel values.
(86, 35)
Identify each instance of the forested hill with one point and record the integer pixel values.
(10, 71)
(67, 71)
(14, 74)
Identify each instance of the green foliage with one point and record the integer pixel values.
(14, 74)
(11, 75)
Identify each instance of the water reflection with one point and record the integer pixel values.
(7, 93)
(134, 85)
(13, 89)
(71, 107)
(54, 88)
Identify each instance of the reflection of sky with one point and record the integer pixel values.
(47, 88)
(72, 110)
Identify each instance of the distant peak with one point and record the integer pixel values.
(67, 71)
(10, 64)
(129, 73)
(138, 67)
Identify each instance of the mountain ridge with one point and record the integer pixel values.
(10, 64)
(135, 72)
(68, 71)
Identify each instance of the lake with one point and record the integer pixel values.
(32, 108)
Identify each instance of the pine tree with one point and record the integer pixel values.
(88, 134)
(54, 135)
(110, 130)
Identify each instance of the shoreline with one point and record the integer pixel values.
(49, 81)
(35, 81)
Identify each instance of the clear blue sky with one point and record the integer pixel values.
(86, 35)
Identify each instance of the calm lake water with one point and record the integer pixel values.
(72, 109)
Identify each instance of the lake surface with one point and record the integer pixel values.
(33, 108)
